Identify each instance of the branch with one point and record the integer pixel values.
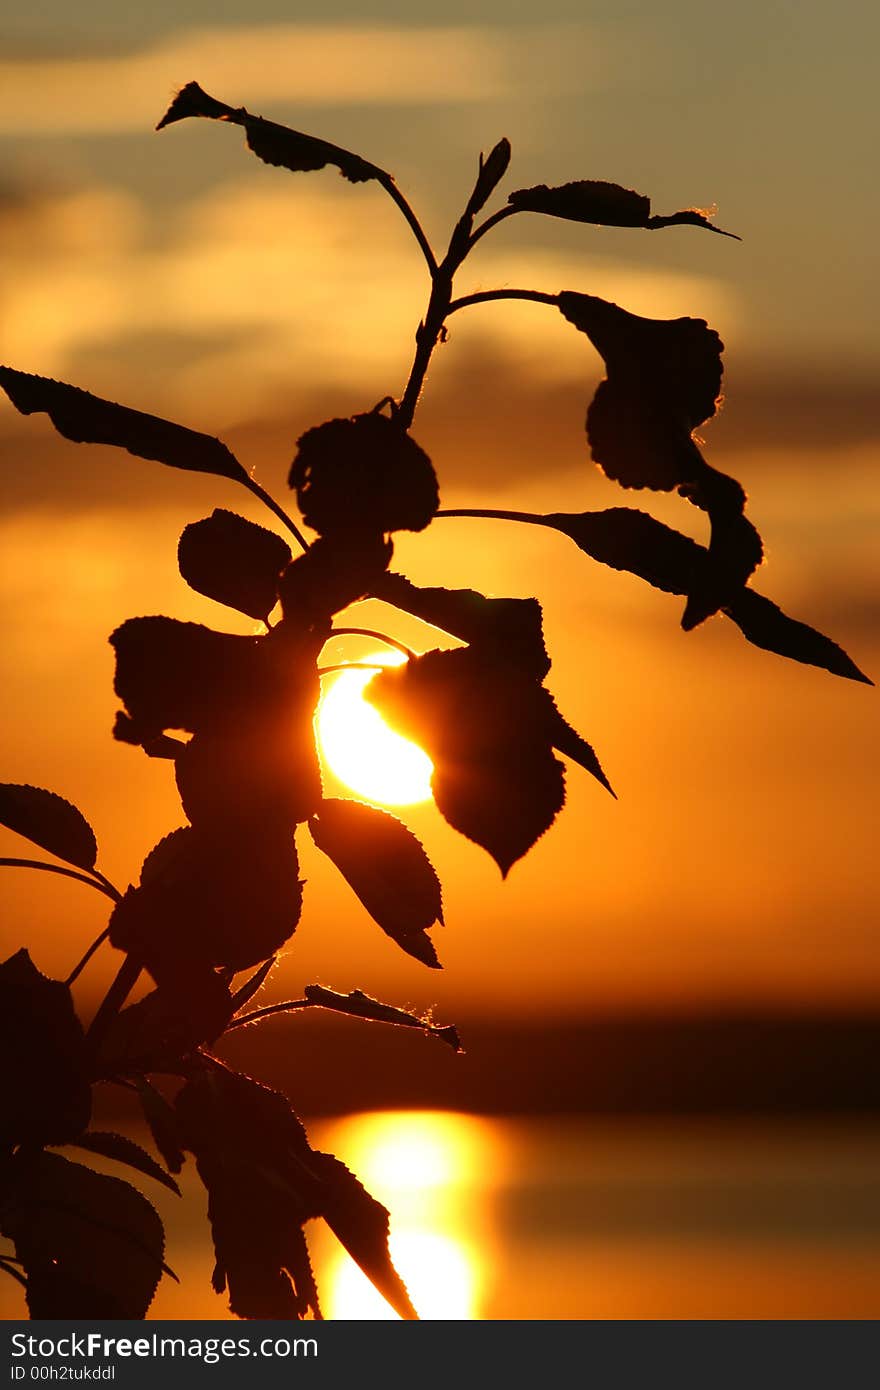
(486, 296)
(102, 884)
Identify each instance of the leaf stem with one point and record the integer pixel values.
(288, 1006)
(387, 182)
(269, 501)
(378, 636)
(78, 969)
(486, 297)
(113, 1001)
(491, 513)
(350, 666)
(500, 216)
(99, 881)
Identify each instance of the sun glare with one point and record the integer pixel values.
(431, 1169)
(359, 747)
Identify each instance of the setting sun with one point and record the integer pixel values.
(360, 748)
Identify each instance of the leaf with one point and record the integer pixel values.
(264, 1182)
(233, 561)
(87, 419)
(387, 868)
(92, 1246)
(586, 200)
(765, 625)
(361, 1224)
(274, 144)
(49, 821)
(359, 1005)
(219, 895)
(334, 572)
(123, 1150)
(191, 1007)
(252, 985)
(635, 542)
(492, 171)
(486, 728)
(511, 627)
(365, 473)
(160, 1117)
(664, 379)
(604, 204)
(45, 1095)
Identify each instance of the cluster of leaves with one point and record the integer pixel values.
(221, 894)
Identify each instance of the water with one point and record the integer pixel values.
(582, 1218)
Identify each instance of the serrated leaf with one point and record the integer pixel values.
(160, 1117)
(49, 821)
(486, 728)
(233, 561)
(635, 542)
(362, 1225)
(388, 869)
(765, 625)
(274, 144)
(510, 627)
(45, 1094)
(492, 171)
(227, 894)
(664, 379)
(606, 205)
(359, 1005)
(585, 200)
(87, 419)
(91, 1246)
(122, 1150)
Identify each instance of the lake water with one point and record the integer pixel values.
(585, 1218)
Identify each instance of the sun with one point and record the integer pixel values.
(360, 748)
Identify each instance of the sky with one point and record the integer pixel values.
(176, 273)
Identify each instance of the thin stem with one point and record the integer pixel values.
(77, 969)
(288, 1006)
(531, 518)
(378, 636)
(113, 1001)
(387, 182)
(269, 501)
(427, 336)
(500, 216)
(486, 296)
(99, 881)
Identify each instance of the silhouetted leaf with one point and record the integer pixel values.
(263, 1183)
(49, 821)
(87, 419)
(388, 869)
(274, 144)
(363, 474)
(174, 675)
(359, 1005)
(767, 626)
(334, 572)
(162, 1120)
(486, 728)
(45, 1096)
(605, 204)
(224, 894)
(123, 1150)
(191, 1007)
(361, 1224)
(492, 171)
(233, 561)
(635, 542)
(735, 551)
(250, 1150)
(568, 742)
(510, 627)
(664, 379)
(253, 984)
(91, 1246)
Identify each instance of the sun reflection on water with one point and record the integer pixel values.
(431, 1168)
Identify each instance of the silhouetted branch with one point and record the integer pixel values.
(487, 296)
(96, 944)
(378, 636)
(99, 881)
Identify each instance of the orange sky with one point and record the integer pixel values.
(177, 274)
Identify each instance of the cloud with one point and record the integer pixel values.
(315, 65)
